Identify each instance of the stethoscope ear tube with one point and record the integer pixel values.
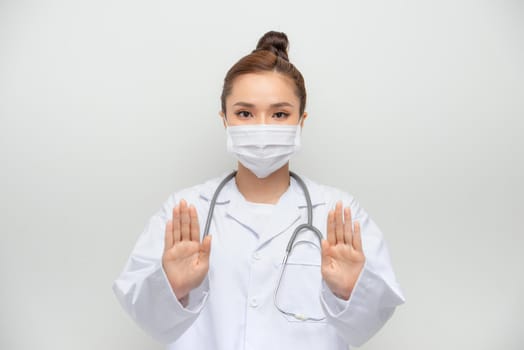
(306, 194)
(213, 202)
(297, 231)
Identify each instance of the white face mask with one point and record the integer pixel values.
(263, 148)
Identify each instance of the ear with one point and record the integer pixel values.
(304, 116)
(223, 117)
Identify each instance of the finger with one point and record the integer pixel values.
(205, 247)
(184, 221)
(348, 234)
(176, 224)
(195, 227)
(168, 237)
(325, 249)
(339, 225)
(331, 227)
(357, 238)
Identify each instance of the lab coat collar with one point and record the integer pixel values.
(288, 210)
(285, 214)
(228, 192)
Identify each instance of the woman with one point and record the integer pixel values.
(231, 289)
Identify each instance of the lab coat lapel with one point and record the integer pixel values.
(290, 209)
(238, 212)
(285, 214)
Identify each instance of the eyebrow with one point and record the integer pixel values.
(274, 105)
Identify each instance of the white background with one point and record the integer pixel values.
(415, 107)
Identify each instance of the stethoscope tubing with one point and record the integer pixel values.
(307, 226)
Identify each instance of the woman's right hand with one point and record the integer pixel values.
(185, 259)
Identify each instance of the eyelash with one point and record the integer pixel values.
(283, 114)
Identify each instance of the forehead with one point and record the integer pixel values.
(264, 87)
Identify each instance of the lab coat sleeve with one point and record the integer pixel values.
(144, 291)
(376, 293)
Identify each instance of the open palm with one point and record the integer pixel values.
(342, 254)
(185, 259)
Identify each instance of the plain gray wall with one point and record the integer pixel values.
(415, 107)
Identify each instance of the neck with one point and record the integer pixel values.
(266, 190)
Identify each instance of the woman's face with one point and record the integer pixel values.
(262, 98)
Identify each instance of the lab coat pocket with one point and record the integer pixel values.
(298, 296)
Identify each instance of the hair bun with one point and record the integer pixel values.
(275, 42)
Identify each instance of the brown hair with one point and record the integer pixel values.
(269, 55)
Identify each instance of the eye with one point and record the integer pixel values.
(243, 114)
(281, 115)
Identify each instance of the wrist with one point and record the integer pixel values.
(181, 294)
(184, 300)
(343, 295)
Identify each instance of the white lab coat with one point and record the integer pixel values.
(234, 307)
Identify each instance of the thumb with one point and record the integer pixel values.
(205, 247)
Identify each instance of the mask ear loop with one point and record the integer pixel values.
(300, 120)
(224, 118)
(299, 126)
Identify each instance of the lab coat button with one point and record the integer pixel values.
(256, 256)
(253, 302)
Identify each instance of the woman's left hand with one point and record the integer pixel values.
(342, 254)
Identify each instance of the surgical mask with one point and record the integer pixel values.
(263, 148)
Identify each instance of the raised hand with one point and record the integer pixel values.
(185, 259)
(342, 254)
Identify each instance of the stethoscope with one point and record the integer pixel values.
(290, 245)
